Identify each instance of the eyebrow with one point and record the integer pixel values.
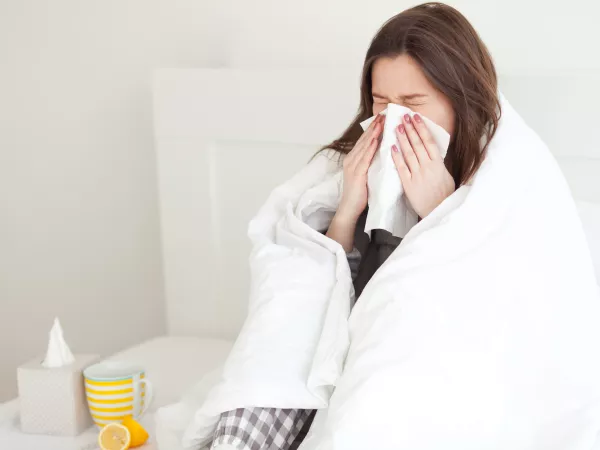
(403, 97)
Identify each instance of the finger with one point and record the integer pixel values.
(407, 151)
(366, 146)
(364, 138)
(432, 149)
(415, 140)
(401, 167)
(367, 157)
(369, 131)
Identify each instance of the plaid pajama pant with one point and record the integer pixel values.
(263, 428)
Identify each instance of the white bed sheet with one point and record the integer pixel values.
(173, 364)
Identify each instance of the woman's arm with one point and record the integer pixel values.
(354, 189)
(342, 230)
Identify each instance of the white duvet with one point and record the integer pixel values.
(479, 332)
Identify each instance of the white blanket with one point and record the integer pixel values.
(479, 332)
(293, 343)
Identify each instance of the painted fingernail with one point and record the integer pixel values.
(417, 118)
(401, 128)
(394, 148)
(407, 118)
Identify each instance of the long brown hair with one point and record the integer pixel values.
(456, 62)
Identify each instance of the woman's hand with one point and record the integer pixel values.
(354, 191)
(425, 179)
(356, 168)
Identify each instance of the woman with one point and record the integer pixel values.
(431, 60)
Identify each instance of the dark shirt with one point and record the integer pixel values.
(373, 252)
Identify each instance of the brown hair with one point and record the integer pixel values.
(457, 63)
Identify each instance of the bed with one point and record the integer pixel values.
(224, 138)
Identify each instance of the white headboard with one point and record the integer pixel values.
(226, 137)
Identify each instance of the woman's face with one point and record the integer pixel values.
(400, 80)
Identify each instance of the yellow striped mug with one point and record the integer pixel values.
(115, 390)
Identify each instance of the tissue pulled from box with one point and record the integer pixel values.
(389, 209)
(58, 353)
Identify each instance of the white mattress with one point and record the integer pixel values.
(173, 364)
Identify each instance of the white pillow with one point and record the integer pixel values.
(590, 218)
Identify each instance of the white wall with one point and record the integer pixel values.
(524, 36)
(79, 230)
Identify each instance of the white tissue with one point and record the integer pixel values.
(389, 209)
(58, 353)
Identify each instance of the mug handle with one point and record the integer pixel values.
(147, 397)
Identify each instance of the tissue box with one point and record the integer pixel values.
(52, 401)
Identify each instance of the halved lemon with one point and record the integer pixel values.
(139, 435)
(114, 436)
